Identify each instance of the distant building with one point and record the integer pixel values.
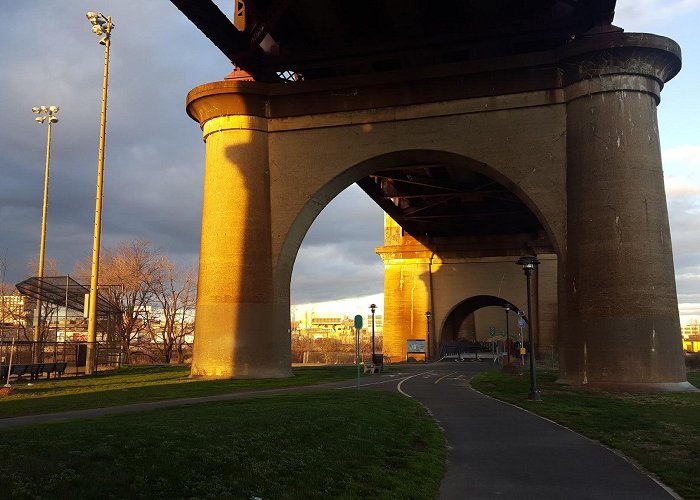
(13, 310)
(691, 336)
(691, 329)
(334, 326)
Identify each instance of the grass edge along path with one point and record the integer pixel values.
(141, 383)
(324, 444)
(658, 431)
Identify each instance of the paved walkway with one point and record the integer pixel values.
(495, 450)
(500, 451)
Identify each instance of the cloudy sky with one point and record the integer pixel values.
(154, 153)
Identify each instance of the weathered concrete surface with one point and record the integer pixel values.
(235, 268)
(545, 125)
(621, 301)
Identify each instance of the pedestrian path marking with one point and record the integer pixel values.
(444, 376)
(398, 386)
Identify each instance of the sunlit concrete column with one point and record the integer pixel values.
(406, 291)
(234, 334)
(406, 299)
(622, 326)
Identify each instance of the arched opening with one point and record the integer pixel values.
(460, 187)
(461, 322)
(336, 276)
(449, 205)
(483, 323)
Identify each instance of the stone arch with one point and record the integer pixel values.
(460, 311)
(571, 140)
(351, 174)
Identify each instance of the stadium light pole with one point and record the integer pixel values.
(44, 114)
(529, 263)
(102, 26)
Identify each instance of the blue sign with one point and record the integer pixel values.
(521, 322)
(414, 346)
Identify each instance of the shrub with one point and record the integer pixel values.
(692, 360)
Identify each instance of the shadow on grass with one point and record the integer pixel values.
(320, 445)
(144, 383)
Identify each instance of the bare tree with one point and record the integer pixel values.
(174, 292)
(129, 269)
(13, 317)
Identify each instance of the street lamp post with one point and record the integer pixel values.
(102, 26)
(427, 337)
(45, 114)
(529, 263)
(373, 307)
(507, 309)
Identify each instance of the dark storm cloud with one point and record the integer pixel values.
(154, 152)
(337, 258)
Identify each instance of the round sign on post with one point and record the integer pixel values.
(358, 321)
(358, 327)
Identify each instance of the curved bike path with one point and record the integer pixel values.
(499, 451)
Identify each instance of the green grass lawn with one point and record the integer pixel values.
(133, 384)
(661, 431)
(315, 445)
(305, 445)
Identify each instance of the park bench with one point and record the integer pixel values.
(34, 370)
(374, 366)
(19, 369)
(38, 369)
(369, 367)
(57, 369)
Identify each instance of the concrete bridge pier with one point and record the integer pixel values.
(567, 138)
(235, 310)
(620, 318)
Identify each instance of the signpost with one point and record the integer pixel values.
(358, 327)
(416, 346)
(521, 324)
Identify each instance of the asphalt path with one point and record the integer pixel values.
(497, 450)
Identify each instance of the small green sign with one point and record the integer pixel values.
(358, 321)
(492, 331)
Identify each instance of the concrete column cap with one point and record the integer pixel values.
(617, 53)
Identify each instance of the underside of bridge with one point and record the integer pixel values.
(321, 39)
(280, 41)
(485, 130)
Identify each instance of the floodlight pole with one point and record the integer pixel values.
(48, 114)
(106, 25)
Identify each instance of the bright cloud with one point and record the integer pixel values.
(640, 13)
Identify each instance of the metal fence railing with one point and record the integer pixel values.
(74, 354)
